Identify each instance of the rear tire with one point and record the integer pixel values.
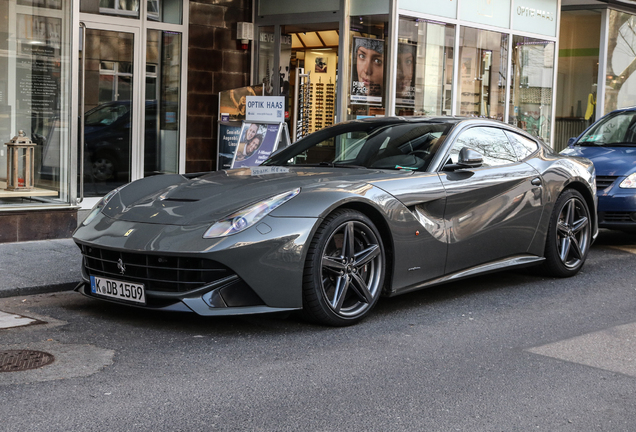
(569, 235)
(344, 270)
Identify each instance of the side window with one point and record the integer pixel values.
(490, 142)
(523, 146)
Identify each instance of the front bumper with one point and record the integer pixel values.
(261, 268)
(617, 208)
(188, 304)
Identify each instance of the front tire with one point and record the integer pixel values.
(344, 270)
(569, 235)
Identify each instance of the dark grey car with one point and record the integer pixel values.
(352, 212)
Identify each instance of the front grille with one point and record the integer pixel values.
(621, 216)
(157, 272)
(603, 182)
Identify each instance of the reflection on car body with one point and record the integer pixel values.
(107, 140)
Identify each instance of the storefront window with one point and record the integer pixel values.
(167, 11)
(368, 66)
(579, 42)
(34, 88)
(620, 82)
(163, 91)
(483, 59)
(531, 85)
(120, 8)
(424, 68)
(266, 59)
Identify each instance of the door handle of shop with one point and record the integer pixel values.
(536, 181)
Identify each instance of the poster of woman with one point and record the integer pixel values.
(367, 71)
(405, 87)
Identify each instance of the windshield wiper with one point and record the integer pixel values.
(327, 164)
(607, 144)
(338, 165)
(590, 144)
(621, 144)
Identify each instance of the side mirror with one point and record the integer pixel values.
(470, 158)
(571, 142)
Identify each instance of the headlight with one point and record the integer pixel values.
(245, 218)
(101, 204)
(629, 182)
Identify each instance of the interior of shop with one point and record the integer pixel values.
(312, 75)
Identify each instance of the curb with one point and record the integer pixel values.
(44, 289)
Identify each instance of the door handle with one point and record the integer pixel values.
(536, 181)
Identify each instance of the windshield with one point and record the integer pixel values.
(617, 129)
(402, 146)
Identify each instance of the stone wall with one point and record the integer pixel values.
(28, 225)
(215, 63)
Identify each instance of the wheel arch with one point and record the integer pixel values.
(589, 200)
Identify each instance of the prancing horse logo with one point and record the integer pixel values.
(121, 266)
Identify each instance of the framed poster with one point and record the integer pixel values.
(405, 82)
(367, 75)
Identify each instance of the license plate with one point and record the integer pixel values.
(118, 289)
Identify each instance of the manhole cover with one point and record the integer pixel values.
(21, 360)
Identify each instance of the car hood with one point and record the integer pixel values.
(177, 200)
(608, 161)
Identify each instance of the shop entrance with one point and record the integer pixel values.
(301, 62)
(129, 93)
(107, 107)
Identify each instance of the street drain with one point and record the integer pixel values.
(21, 360)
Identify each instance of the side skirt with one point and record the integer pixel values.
(491, 267)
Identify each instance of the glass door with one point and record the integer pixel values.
(108, 135)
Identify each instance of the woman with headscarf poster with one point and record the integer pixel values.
(405, 87)
(367, 71)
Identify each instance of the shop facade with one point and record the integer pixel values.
(115, 90)
(101, 90)
(359, 58)
(597, 63)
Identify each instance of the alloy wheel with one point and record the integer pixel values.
(573, 232)
(351, 269)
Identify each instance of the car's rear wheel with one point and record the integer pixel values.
(569, 235)
(344, 270)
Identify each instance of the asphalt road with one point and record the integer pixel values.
(504, 352)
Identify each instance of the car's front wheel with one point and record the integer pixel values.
(569, 235)
(344, 270)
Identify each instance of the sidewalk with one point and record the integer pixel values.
(39, 266)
